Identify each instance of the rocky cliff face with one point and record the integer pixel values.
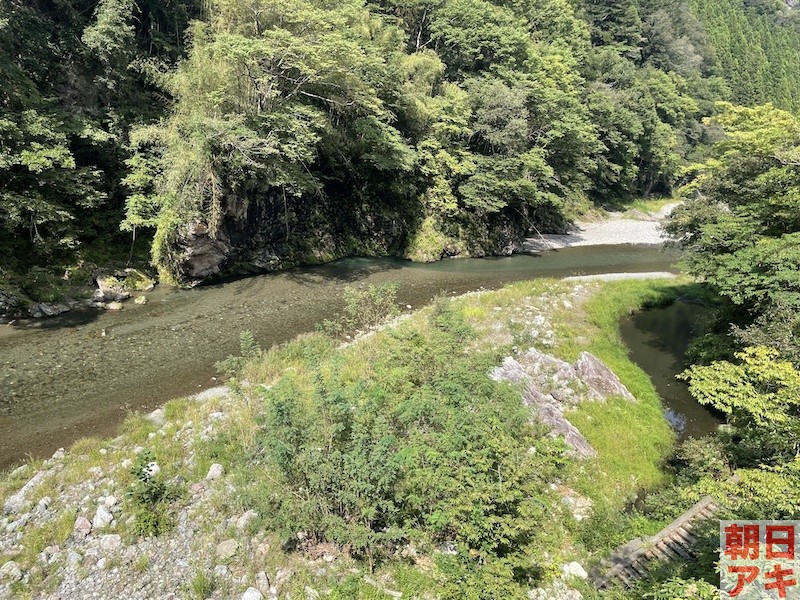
(268, 234)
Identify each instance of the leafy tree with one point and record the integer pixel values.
(740, 220)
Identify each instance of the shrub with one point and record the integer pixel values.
(364, 309)
(150, 497)
(249, 350)
(426, 448)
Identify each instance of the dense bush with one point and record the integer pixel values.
(419, 447)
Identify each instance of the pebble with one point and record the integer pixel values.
(215, 472)
(252, 594)
(82, 527)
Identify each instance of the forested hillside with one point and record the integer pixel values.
(757, 48)
(249, 135)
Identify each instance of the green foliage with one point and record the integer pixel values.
(740, 222)
(760, 394)
(681, 588)
(757, 50)
(249, 350)
(364, 309)
(150, 497)
(421, 446)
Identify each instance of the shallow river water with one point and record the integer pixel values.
(658, 339)
(79, 374)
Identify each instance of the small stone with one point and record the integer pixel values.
(103, 451)
(215, 472)
(574, 569)
(227, 549)
(140, 300)
(43, 505)
(102, 518)
(262, 582)
(243, 521)
(110, 501)
(82, 527)
(221, 571)
(101, 564)
(59, 454)
(114, 306)
(282, 576)
(110, 542)
(126, 464)
(10, 571)
(73, 558)
(262, 550)
(252, 594)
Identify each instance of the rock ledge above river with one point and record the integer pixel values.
(552, 386)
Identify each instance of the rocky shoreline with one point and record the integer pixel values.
(106, 290)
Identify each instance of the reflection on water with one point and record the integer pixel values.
(80, 374)
(658, 339)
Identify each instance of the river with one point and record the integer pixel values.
(81, 373)
(658, 339)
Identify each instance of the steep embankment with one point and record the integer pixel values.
(208, 474)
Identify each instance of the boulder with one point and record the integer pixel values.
(215, 472)
(137, 281)
(574, 569)
(102, 518)
(227, 549)
(48, 309)
(110, 289)
(10, 572)
(544, 407)
(600, 378)
(82, 527)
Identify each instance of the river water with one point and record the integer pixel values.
(658, 339)
(81, 373)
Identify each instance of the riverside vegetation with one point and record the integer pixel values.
(391, 463)
(240, 135)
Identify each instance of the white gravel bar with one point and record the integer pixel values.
(616, 230)
(620, 276)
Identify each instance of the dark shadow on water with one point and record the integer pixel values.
(73, 318)
(657, 339)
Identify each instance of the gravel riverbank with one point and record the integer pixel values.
(617, 229)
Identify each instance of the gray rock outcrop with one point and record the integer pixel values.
(551, 386)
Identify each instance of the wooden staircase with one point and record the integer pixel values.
(633, 560)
